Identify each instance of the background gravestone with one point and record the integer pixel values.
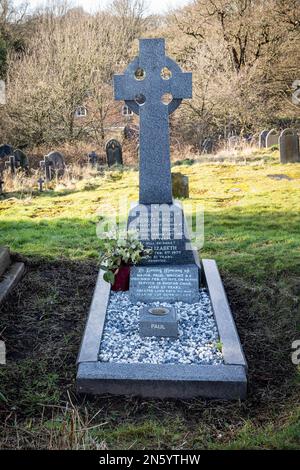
(170, 277)
(272, 138)
(289, 146)
(180, 185)
(262, 138)
(114, 153)
(164, 283)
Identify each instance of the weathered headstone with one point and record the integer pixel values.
(262, 138)
(160, 222)
(272, 138)
(180, 185)
(6, 150)
(21, 160)
(114, 153)
(93, 159)
(162, 228)
(53, 165)
(289, 146)
(40, 182)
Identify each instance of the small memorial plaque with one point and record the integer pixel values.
(164, 283)
(158, 321)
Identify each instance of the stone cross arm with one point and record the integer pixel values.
(152, 84)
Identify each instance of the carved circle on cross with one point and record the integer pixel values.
(170, 70)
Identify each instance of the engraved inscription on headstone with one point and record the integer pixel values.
(162, 228)
(164, 283)
(158, 321)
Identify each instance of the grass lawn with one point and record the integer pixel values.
(252, 229)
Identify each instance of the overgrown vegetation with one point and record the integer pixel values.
(252, 230)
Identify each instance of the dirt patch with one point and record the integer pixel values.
(42, 323)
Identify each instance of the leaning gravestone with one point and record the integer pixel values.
(172, 273)
(262, 138)
(114, 153)
(289, 146)
(272, 138)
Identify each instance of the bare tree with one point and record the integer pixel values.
(70, 62)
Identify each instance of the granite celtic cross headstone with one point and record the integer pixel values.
(143, 86)
(147, 82)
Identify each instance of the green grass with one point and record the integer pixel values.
(252, 229)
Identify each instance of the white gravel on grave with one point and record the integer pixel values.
(196, 343)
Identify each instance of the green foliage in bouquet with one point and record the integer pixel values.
(121, 250)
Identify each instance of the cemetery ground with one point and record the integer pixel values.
(252, 225)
